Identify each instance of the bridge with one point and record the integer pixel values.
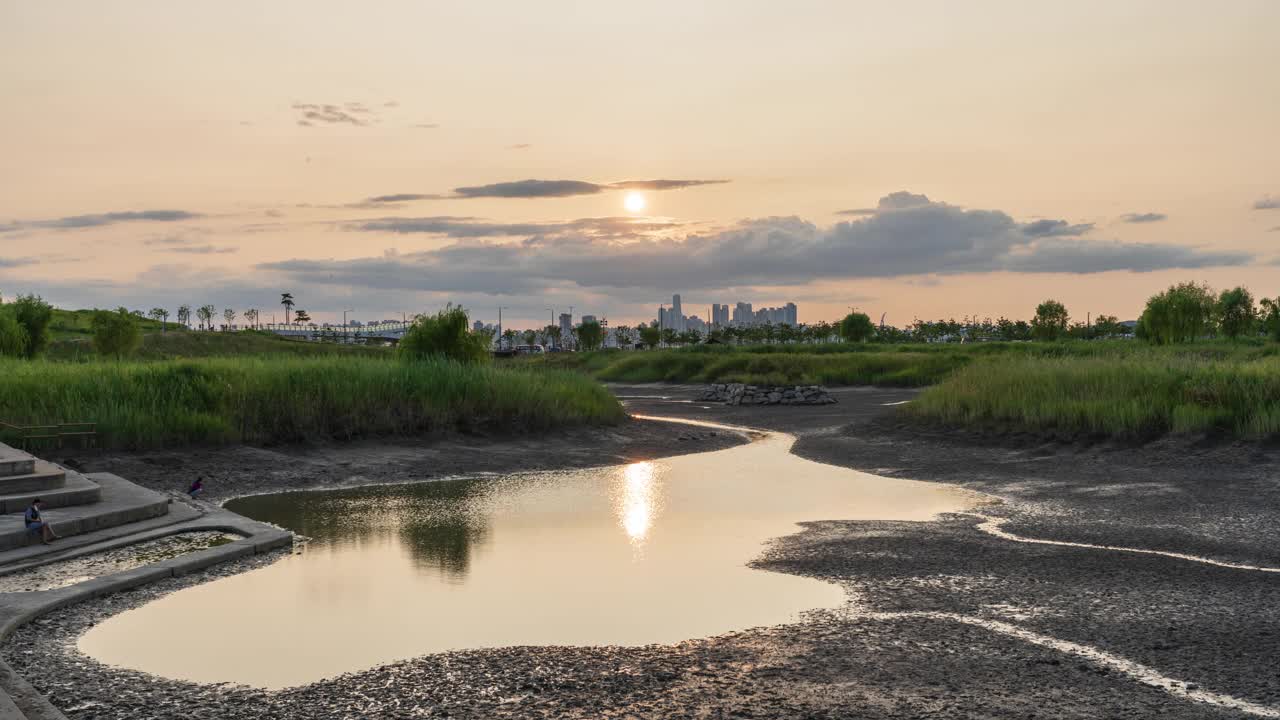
(386, 332)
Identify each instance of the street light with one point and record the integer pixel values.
(553, 319)
(500, 309)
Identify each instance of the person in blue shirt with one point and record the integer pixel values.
(36, 523)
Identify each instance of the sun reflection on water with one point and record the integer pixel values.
(636, 509)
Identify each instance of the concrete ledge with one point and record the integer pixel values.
(19, 608)
(76, 490)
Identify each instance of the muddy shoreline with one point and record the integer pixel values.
(1209, 627)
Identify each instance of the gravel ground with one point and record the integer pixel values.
(1213, 629)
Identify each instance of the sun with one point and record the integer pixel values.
(634, 202)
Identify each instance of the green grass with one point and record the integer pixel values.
(1135, 396)
(293, 399)
(191, 344)
(71, 324)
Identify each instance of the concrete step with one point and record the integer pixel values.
(14, 461)
(43, 476)
(76, 490)
(121, 503)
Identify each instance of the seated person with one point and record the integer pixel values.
(37, 524)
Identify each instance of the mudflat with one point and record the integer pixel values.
(967, 616)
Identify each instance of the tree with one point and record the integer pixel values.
(13, 336)
(230, 316)
(509, 337)
(856, 327)
(1270, 317)
(115, 334)
(589, 335)
(300, 317)
(184, 315)
(34, 315)
(1105, 326)
(1235, 311)
(650, 335)
(251, 317)
(668, 336)
(552, 333)
(286, 299)
(205, 313)
(530, 336)
(1182, 313)
(447, 334)
(1050, 322)
(159, 315)
(689, 337)
(623, 336)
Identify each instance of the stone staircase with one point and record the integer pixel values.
(74, 504)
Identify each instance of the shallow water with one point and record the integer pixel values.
(652, 552)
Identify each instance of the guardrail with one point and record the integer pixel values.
(28, 436)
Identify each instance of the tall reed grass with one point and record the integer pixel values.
(1137, 396)
(292, 399)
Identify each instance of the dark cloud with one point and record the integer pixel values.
(531, 189)
(857, 211)
(1269, 202)
(397, 198)
(1150, 217)
(17, 262)
(1055, 228)
(909, 236)
(663, 184)
(472, 227)
(352, 113)
(202, 249)
(84, 221)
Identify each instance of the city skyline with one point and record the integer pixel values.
(889, 158)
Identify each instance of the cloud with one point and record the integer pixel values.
(398, 198)
(909, 236)
(472, 227)
(1055, 228)
(857, 211)
(202, 249)
(1275, 229)
(519, 146)
(663, 184)
(352, 113)
(531, 189)
(72, 222)
(425, 126)
(1149, 217)
(1268, 202)
(17, 262)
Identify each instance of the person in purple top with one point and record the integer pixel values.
(37, 524)
(197, 487)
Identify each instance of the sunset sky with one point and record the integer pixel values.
(911, 158)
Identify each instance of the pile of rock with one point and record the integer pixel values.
(739, 394)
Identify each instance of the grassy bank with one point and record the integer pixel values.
(1135, 396)
(293, 399)
(188, 344)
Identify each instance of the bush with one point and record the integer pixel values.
(447, 334)
(115, 333)
(34, 315)
(856, 327)
(13, 337)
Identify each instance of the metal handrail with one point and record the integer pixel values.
(88, 431)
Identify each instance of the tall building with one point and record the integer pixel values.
(566, 327)
(792, 316)
(588, 319)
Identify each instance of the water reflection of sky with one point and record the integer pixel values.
(651, 552)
